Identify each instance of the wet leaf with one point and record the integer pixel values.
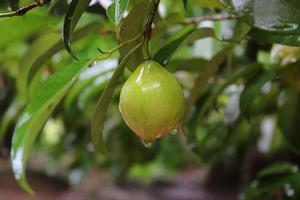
(132, 26)
(103, 103)
(280, 16)
(116, 9)
(75, 11)
(35, 115)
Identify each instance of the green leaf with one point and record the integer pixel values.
(244, 72)
(132, 26)
(115, 10)
(289, 118)
(268, 37)
(164, 54)
(253, 91)
(210, 3)
(27, 25)
(199, 34)
(87, 79)
(35, 115)
(191, 65)
(277, 169)
(102, 105)
(280, 16)
(187, 35)
(9, 117)
(38, 48)
(205, 73)
(46, 56)
(75, 11)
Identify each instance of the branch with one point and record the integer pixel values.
(25, 9)
(197, 20)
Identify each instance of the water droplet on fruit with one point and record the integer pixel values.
(174, 131)
(147, 144)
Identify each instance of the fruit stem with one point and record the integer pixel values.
(148, 29)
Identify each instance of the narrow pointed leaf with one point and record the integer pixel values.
(75, 11)
(102, 105)
(253, 90)
(58, 46)
(187, 35)
(87, 78)
(35, 115)
(115, 10)
(133, 25)
(289, 118)
(206, 72)
(38, 48)
(281, 168)
(268, 37)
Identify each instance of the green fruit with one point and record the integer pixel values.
(152, 102)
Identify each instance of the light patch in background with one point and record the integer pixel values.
(232, 108)
(103, 3)
(53, 131)
(162, 10)
(206, 43)
(266, 88)
(267, 129)
(98, 68)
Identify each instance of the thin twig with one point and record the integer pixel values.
(25, 9)
(197, 20)
(121, 45)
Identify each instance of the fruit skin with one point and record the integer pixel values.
(151, 101)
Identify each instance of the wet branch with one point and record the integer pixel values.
(25, 9)
(197, 20)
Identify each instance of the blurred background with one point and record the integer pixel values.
(239, 140)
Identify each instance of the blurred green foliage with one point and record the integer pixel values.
(243, 88)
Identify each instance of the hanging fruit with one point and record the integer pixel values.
(152, 102)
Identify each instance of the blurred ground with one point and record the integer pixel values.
(187, 185)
